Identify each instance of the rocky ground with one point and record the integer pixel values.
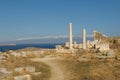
(57, 70)
(47, 64)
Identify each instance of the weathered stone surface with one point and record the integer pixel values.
(19, 70)
(111, 53)
(84, 39)
(4, 56)
(102, 47)
(25, 69)
(118, 57)
(22, 77)
(20, 54)
(70, 36)
(30, 69)
(4, 73)
(24, 54)
(101, 57)
(83, 59)
(15, 54)
(36, 73)
(100, 36)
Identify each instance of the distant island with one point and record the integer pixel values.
(12, 44)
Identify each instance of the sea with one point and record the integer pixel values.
(21, 46)
(36, 45)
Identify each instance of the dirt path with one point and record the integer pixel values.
(57, 72)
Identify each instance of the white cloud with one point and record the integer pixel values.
(51, 37)
(43, 37)
(90, 35)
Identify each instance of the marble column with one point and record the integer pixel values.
(70, 36)
(84, 38)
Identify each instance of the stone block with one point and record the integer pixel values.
(4, 73)
(111, 53)
(30, 69)
(19, 70)
(22, 77)
(36, 73)
(25, 69)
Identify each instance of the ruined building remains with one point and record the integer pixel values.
(99, 43)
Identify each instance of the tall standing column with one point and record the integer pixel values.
(70, 36)
(84, 39)
(94, 35)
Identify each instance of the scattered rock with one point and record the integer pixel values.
(16, 54)
(4, 56)
(22, 77)
(30, 69)
(19, 70)
(25, 69)
(102, 47)
(83, 59)
(36, 73)
(4, 73)
(23, 54)
(101, 57)
(111, 53)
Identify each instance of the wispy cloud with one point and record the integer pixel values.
(90, 35)
(43, 37)
(51, 37)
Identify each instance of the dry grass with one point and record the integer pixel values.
(97, 70)
(12, 63)
(101, 72)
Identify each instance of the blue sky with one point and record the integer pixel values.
(35, 18)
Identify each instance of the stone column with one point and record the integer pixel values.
(75, 44)
(70, 36)
(94, 35)
(84, 39)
